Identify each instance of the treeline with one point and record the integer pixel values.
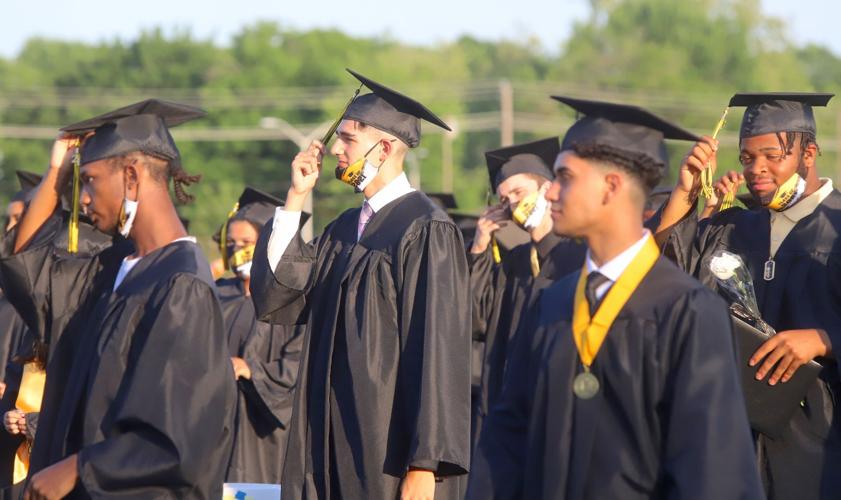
(696, 51)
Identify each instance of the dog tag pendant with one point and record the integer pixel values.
(768, 272)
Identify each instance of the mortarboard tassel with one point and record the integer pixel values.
(495, 249)
(707, 173)
(332, 130)
(73, 228)
(223, 236)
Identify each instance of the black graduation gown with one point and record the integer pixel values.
(91, 242)
(385, 381)
(500, 294)
(264, 403)
(805, 293)
(140, 384)
(668, 421)
(12, 330)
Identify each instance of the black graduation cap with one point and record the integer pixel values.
(631, 129)
(772, 112)
(29, 181)
(446, 201)
(142, 126)
(536, 157)
(390, 111)
(256, 207)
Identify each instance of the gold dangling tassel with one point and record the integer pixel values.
(495, 250)
(535, 261)
(223, 237)
(73, 227)
(707, 173)
(727, 201)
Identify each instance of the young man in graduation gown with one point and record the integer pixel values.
(140, 391)
(624, 385)
(383, 395)
(790, 247)
(500, 292)
(265, 357)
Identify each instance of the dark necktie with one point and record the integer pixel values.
(594, 281)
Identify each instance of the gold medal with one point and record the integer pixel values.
(585, 385)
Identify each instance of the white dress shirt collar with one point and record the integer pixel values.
(398, 187)
(614, 268)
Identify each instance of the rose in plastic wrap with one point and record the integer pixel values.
(735, 283)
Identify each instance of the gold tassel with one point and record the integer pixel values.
(73, 227)
(727, 201)
(707, 173)
(332, 130)
(223, 236)
(495, 250)
(534, 259)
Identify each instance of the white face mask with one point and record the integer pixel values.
(130, 211)
(244, 270)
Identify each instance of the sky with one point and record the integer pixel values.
(424, 22)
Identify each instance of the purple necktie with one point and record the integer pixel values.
(364, 216)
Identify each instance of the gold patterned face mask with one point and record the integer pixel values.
(788, 193)
(240, 260)
(530, 211)
(359, 173)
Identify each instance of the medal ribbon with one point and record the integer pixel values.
(589, 334)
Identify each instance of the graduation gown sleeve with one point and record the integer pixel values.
(273, 354)
(163, 432)
(46, 285)
(436, 344)
(280, 294)
(483, 285)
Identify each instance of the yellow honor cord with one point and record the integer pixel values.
(707, 173)
(223, 236)
(73, 227)
(589, 333)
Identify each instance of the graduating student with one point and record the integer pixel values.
(624, 385)
(382, 405)
(790, 247)
(500, 292)
(28, 356)
(139, 393)
(265, 357)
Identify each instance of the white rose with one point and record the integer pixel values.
(724, 266)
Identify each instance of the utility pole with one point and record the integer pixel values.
(506, 113)
(447, 155)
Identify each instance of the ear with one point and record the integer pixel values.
(130, 176)
(810, 154)
(613, 183)
(387, 148)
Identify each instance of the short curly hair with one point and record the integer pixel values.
(641, 167)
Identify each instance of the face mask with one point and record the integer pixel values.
(359, 173)
(530, 211)
(788, 193)
(240, 261)
(127, 215)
